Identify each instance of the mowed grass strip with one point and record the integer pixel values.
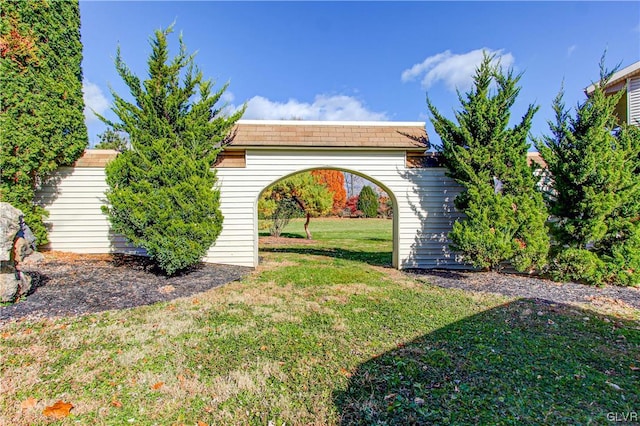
(316, 338)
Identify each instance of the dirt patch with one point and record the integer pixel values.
(282, 241)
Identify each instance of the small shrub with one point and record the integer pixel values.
(285, 210)
(352, 203)
(623, 262)
(166, 206)
(385, 207)
(368, 202)
(578, 265)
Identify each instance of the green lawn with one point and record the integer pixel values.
(322, 334)
(365, 240)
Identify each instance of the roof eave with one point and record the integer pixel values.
(232, 147)
(627, 72)
(334, 123)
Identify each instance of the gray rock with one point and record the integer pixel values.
(9, 227)
(21, 249)
(33, 259)
(13, 285)
(8, 287)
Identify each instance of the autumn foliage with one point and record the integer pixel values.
(352, 203)
(334, 181)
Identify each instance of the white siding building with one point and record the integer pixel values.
(390, 154)
(627, 79)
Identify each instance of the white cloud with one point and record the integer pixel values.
(323, 107)
(227, 97)
(94, 100)
(455, 70)
(571, 49)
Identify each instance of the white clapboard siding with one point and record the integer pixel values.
(423, 204)
(76, 222)
(423, 201)
(633, 98)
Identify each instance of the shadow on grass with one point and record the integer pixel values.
(383, 258)
(283, 235)
(444, 273)
(526, 362)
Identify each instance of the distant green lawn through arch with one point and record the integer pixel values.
(356, 239)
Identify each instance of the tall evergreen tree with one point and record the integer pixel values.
(41, 106)
(110, 139)
(595, 199)
(505, 216)
(162, 194)
(368, 202)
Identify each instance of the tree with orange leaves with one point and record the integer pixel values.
(334, 181)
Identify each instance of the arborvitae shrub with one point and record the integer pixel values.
(368, 202)
(594, 163)
(578, 265)
(505, 215)
(162, 194)
(41, 106)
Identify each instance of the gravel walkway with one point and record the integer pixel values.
(67, 285)
(530, 287)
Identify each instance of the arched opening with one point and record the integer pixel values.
(388, 233)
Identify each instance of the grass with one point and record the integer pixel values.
(325, 337)
(364, 240)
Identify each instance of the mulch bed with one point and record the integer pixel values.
(68, 284)
(513, 285)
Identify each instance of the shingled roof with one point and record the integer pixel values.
(318, 134)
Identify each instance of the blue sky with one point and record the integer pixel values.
(363, 60)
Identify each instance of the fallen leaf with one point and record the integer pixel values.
(345, 372)
(157, 385)
(634, 368)
(6, 335)
(203, 424)
(263, 348)
(28, 403)
(58, 410)
(116, 403)
(196, 301)
(613, 385)
(28, 331)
